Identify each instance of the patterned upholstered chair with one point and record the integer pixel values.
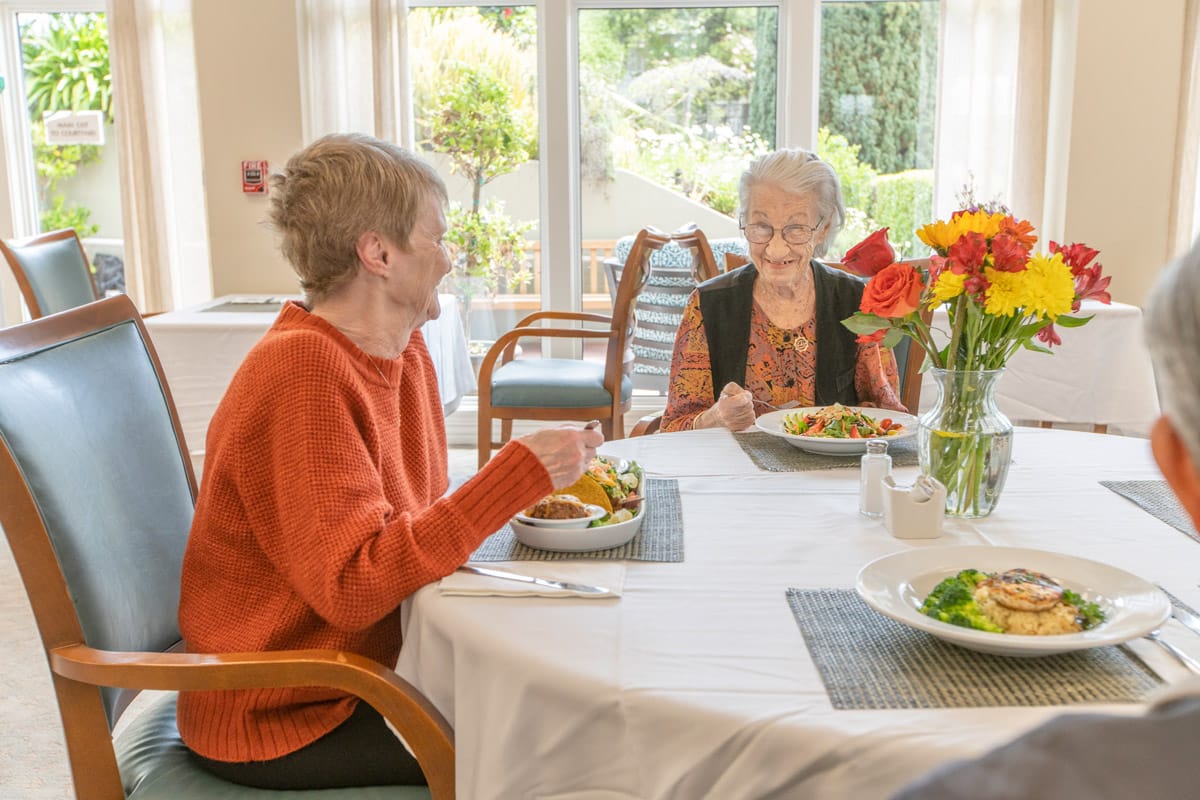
(52, 272)
(564, 388)
(96, 499)
(687, 260)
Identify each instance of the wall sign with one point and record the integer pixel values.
(74, 127)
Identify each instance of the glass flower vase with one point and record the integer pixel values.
(965, 441)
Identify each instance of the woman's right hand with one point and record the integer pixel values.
(733, 410)
(565, 452)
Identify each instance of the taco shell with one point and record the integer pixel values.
(589, 490)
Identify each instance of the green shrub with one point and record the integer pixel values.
(857, 177)
(903, 202)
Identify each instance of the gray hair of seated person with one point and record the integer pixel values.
(1173, 335)
(338, 188)
(799, 172)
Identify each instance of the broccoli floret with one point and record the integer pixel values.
(953, 601)
(1088, 613)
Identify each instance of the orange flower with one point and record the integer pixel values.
(1019, 229)
(894, 292)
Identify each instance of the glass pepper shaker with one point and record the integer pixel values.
(876, 465)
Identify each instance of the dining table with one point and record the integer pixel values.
(201, 347)
(1100, 375)
(710, 672)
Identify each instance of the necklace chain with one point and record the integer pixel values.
(377, 369)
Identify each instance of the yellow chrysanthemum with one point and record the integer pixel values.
(1044, 290)
(939, 235)
(942, 234)
(947, 287)
(980, 222)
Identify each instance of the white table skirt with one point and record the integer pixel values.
(697, 682)
(1100, 374)
(200, 350)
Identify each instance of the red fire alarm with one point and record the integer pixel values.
(254, 177)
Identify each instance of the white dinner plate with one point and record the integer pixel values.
(578, 540)
(772, 423)
(896, 585)
(594, 512)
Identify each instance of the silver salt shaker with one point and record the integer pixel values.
(876, 465)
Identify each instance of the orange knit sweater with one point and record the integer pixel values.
(320, 510)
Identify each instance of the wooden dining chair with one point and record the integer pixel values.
(675, 271)
(512, 388)
(96, 500)
(52, 272)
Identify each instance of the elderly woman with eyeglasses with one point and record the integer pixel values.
(771, 332)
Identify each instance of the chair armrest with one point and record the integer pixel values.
(423, 727)
(647, 425)
(579, 316)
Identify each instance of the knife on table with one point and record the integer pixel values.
(582, 588)
(1189, 620)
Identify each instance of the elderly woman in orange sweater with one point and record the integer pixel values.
(322, 507)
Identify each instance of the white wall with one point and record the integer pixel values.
(1124, 115)
(97, 187)
(611, 209)
(248, 84)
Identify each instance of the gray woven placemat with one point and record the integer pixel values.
(660, 538)
(776, 455)
(869, 661)
(1157, 500)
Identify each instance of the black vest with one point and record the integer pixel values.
(726, 302)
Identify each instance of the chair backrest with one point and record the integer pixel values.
(96, 488)
(685, 261)
(633, 277)
(910, 357)
(52, 272)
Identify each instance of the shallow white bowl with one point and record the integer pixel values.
(896, 585)
(772, 423)
(594, 512)
(578, 540)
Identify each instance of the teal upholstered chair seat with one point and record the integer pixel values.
(97, 496)
(155, 765)
(565, 382)
(52, 272)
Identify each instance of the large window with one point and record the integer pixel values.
(876, 114)
(62, 156)
(645, 114)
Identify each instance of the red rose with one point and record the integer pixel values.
(895, 292)
(870, 255)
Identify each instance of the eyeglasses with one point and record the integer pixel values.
(761, 233)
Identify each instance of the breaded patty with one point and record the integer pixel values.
(1059, 618)
(1023, 590)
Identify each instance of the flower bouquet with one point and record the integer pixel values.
(999, 296)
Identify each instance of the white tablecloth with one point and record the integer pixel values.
(200, 350)
(697, 682)
(1100, 374)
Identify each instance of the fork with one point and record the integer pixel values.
(1180, 656)
(781, 406)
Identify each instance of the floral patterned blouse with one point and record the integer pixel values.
(781, 366)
